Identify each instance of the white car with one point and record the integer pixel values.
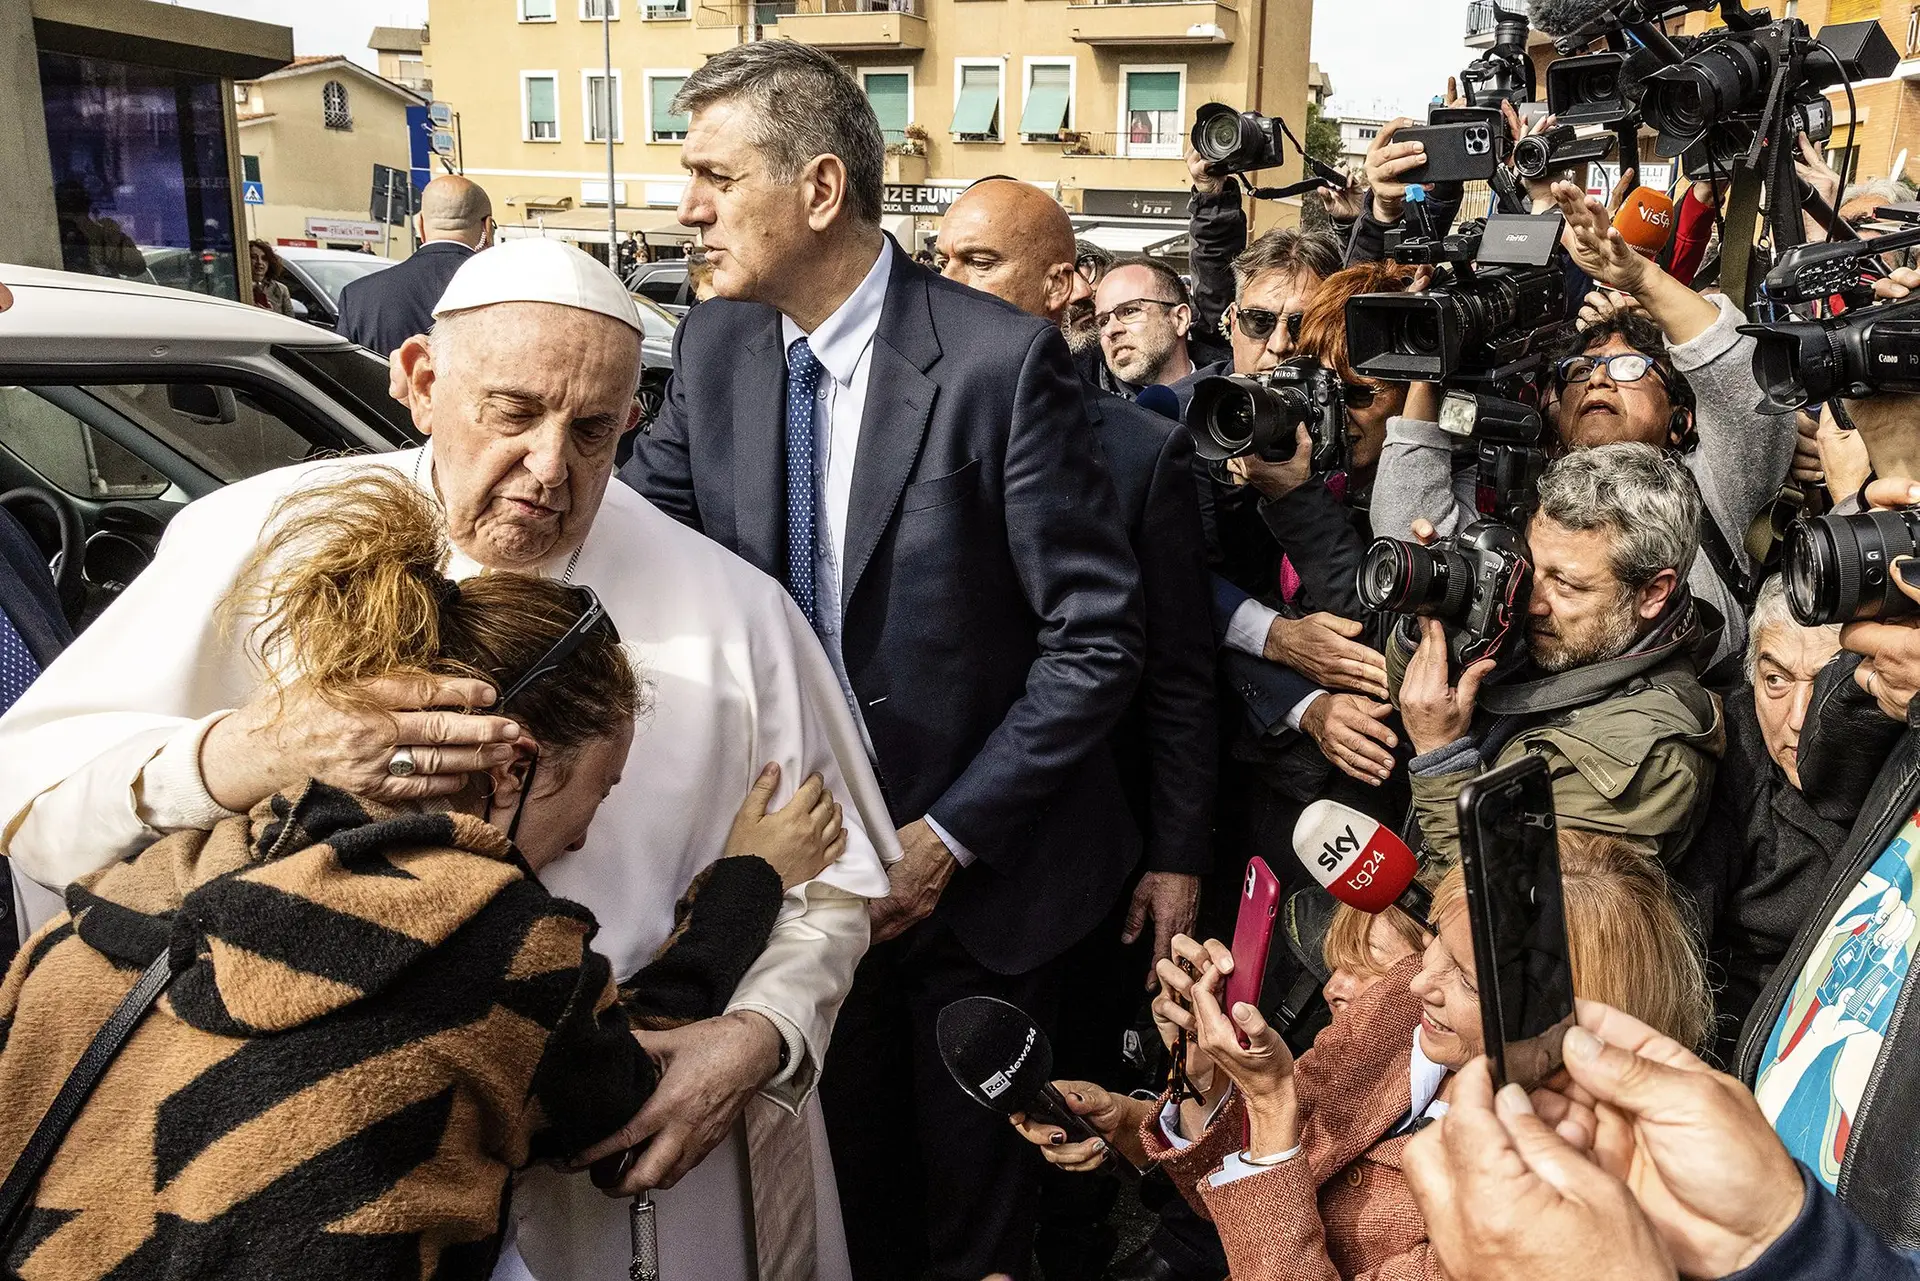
(121, 402)
(315, 278)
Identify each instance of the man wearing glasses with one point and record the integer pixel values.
(1653, 363)
(1143, 314)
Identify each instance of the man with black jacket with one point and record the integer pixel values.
(382, 310)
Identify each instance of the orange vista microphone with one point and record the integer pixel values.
(1645, 221)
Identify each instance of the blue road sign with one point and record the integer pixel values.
(253, 193)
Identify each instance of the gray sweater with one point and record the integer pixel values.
(1741, 461)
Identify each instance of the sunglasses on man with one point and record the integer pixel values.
(1258, 324)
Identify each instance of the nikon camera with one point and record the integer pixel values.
(1235, 415)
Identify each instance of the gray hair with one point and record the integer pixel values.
(1891, 190)
(803, 105)
(1289, 249)
(1770, 610)
(1643, 497)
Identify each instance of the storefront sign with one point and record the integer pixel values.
(293, 242)
(1098, 202)
(366, 231)
(902, 198)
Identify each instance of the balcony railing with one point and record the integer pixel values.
(1480, 18)
(1136, 145)
(733, 13)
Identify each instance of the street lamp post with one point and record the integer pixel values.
(606, 85)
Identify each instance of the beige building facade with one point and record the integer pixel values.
(311, 134)
(1092, 101)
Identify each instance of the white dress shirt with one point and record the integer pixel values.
(1247, 632)
(843, 344)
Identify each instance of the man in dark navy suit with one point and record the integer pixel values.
(32, 632)
(1014, 241)
(383, 309)
(914, 460)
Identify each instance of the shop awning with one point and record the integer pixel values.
(589, 226)
(1161, 239)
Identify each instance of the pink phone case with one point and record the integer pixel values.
(1253, 934)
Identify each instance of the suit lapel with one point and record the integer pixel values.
(900, 399)
(759, 449)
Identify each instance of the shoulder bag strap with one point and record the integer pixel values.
(72, 1097)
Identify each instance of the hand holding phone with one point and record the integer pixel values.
(1253, 934)
(1510, 858)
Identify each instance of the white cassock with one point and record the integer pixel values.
(100, 758)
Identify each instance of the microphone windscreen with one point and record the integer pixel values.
(996, 1052)
(1361, 863)
(1161, 400)
(1565, 17)
(1645, 221)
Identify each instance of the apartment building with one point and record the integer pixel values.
(1091, 100)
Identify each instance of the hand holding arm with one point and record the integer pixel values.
(919, 878)
(1603, 253)
(1322, 648)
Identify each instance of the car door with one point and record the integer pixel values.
(124, 449)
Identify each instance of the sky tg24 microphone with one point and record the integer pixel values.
(1358, 861)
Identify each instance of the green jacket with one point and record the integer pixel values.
(1633, 756)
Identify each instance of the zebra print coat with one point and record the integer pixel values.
(376, 1019)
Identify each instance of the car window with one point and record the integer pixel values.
(661, 287)
(297, 289)
(69, 453)
(654, 321)
(227, 431)
(331, 275)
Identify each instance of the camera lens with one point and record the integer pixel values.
(1839, 568)
(1601, 84)
(1220, 137)
(1420, 333)
(1399, 577)
(1687, 100)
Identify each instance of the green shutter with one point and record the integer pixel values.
(664, 121)
(888, 94)
(1047, 92)
(250, 168)
(1153, 91)
(978, 110)
(540, 101)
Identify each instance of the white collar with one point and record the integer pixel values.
(843, 338)
(1424, 1079)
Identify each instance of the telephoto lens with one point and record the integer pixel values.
(1399, 577)
(1839, 569)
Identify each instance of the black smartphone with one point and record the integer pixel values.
(1510, 857)
(1465, 151)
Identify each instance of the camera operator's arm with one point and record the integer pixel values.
(1416, 479)
(1603, 253)
(1387, 161)
(1217, 230)
(1693, 231)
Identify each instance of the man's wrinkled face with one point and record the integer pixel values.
(983, 246)
(750, 225)
(1144, 336)
(1601, 411)
(526, 403)
(1581, 612)
(1279, 294)
(1788, 660)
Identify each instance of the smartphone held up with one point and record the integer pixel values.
(1510, 859)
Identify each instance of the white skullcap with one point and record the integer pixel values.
(538, 270)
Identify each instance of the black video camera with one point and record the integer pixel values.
(1477, 583)
(1839, 569)
(1497, 303)
(1234, 142)
(1236, 415)
(1710, 107)
(1865, 350)
(1505, 73)
(1537, 155)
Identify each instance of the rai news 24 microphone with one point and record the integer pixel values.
(1645, 221)
(1360, 862)
(1003, 1061)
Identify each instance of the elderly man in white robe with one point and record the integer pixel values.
(155, 721)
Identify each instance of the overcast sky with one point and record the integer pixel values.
(1394, 54)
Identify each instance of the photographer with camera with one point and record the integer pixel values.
(1610, 695)
(1680, 379)
(1386, 205)
(1217, 235)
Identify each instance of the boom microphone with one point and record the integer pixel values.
(1359, 862)
(1645, 221)
(1160, 399)
(1559, 18)
(1001, 1058)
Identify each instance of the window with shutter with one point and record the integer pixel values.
(600, 110)
(663, 125)
(1153, 113)
(889, 93)
(543, 110)
(976, 116)
(1049, 97)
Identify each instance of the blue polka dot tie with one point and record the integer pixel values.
(803, 498)
(17, 665)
